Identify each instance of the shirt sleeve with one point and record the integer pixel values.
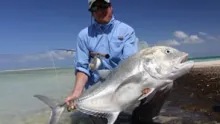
(82, 56)
(130, 46)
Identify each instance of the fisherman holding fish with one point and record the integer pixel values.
(107, 36)
(137, 86)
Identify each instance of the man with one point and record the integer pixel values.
(107, 36)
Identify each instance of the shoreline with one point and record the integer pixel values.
(31, 69)
(203, 64)
(27, 69)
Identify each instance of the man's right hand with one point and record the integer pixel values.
(70, 101)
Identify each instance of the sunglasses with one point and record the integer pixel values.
(98, 7)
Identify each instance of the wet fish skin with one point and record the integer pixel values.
(155, 68)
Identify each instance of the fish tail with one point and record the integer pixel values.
(56, 108)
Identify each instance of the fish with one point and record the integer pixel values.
(138, 77)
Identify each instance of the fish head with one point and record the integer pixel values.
(167, 62)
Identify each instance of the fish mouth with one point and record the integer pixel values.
(183, 62)
(182, 67)
(184, 58)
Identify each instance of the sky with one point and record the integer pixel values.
(35, 27)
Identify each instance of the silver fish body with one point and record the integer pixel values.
(154, 68)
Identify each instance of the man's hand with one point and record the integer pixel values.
(70, 101)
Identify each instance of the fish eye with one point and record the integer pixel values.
(168, 51)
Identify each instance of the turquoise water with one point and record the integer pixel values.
(17, 104)
(208, 58)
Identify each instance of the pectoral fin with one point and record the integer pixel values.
(146, 93)
(112, 117)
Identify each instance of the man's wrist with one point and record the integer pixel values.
(76, 94)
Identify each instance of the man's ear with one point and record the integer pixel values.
(112, 10)
(111, 7)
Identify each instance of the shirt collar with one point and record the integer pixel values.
(104, 27)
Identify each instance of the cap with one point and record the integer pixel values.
(90, 2)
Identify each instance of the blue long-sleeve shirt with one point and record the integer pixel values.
(115, 38)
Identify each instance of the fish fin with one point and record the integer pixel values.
(112, 117)
(57, 109)
(166, 85)
(103, 73)
(150, 94)
(50, 102)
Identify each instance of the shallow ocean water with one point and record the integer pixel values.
(17, 104)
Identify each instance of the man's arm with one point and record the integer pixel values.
(80, 81)
(130, 46)
(81, 70)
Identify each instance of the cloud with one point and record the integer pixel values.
(193, 39)
(207, 37)
(51, 55)
(202, 33)
(57, 58)
(188, 39)
(180, 35)
(142, 44)
(169, 43)
(47, 56)
(212, 38)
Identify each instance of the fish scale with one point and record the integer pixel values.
(89, 111)
(93, 113)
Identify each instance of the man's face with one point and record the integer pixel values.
(102, 12)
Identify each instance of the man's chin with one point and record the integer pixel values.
(103, 21)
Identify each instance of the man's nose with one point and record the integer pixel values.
(101, 12)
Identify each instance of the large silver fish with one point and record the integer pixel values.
(153, 68)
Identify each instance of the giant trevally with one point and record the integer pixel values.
(154, 68)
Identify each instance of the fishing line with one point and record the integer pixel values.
(55, 70)
(54, 66)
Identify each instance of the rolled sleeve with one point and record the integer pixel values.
(130, 46)
(82, 57)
